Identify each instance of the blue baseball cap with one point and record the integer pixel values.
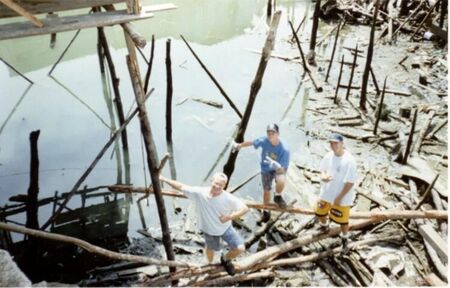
(335, 137)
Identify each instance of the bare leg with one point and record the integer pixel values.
(233, 253)
(266, 196)
(344, 228)
(280, 180)
(209, 254)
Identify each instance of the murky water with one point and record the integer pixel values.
(71, 109)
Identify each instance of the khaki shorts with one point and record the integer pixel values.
(337, 213)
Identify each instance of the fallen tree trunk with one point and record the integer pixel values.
(91, 248)
(231, 280)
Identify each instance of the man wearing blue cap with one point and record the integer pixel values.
(338, 176)
(274, 164)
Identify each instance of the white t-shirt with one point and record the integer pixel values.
(209, 208)
(343, 170)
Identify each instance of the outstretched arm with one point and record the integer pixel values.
(175, 184)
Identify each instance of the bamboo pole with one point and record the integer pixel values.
(424, 19)
(64, 52)
(21, 11)
(416, 146)
(365, 77)
(15, 70)
(255, 87)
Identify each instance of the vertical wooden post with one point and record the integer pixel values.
(410, 139)
(380, 108)
(338, 81)
(33, 188)
(117, 100)
(256, 85)
(351, 73)
(269, 9)
(150, 64)
(374, 80)
(150, 147)
(169, 94)
(365, 77)
(444, 8)
(334, 50)
(315, 26)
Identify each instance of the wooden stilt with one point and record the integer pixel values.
(365, 77)
(315, 26)
(338, 81)
(351, 74)
(380, 108)
(334, 50)
(150, 64)
(33, 189)
(410, 138)
(169, 94)
(256, 85)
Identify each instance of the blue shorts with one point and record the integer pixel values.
(230, 236)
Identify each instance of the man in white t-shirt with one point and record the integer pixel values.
(338, 177)
(215, 210)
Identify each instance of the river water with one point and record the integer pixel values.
(71, 107)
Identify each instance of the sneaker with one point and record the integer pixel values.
(345, 248)
(265, 217)
(324, 228)
(279, 201)
(229, 267)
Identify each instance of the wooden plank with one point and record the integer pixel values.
(21, 11)
(39, 6)
(435, 240)
(56, 25)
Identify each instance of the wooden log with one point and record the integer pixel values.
(365, 76)
(374, 80)
(224, 94)
(379, 215)
(335, 101)
(33, 188)
(380, 108)
(255, 87)
(424, 19)
(409, 18)
(89, 169)
(436, 241)
(92, 248)
(352, 73)
(333, 51)
(150, 65)
(315, 26)
(410, 139)
(437, 263)
(169, 93)
(21, 11)
(262, 231)
(137, 38)
(232, 280)
(269, 9)
(443, 11)
(416, 145)
(152, 160)
(335, 277)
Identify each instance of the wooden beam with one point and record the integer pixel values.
(40, 7)
(436, 241)
(21, 11)
(56, 25)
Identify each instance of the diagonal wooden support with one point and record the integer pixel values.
(20, 10)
